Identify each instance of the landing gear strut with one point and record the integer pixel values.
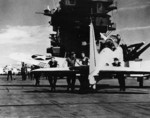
(140, 80)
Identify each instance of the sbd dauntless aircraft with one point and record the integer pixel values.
(37, 59)
(94, 62)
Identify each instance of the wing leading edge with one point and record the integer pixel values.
(124, 70)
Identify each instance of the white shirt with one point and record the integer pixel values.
(9, 68)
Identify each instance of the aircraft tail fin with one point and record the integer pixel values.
(93, 50)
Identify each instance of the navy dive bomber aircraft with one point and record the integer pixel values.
(94, 70)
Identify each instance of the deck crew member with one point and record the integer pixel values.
(52, 78)
(83, 78)
(118, 60)
(23, 71)
(9, 74)
(31, 74)
(120, 77)
(71, 79)
(84, 60)
(36, 75)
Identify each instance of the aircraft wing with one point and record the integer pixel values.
(124, 70)
(51, 69)
(64, 70)
(107, 69)
(23, 58)
(56, 71)
(38, 60)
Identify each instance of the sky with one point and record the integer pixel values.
(132, 20)
(21, 30)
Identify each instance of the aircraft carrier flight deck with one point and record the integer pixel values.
(22, 99)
